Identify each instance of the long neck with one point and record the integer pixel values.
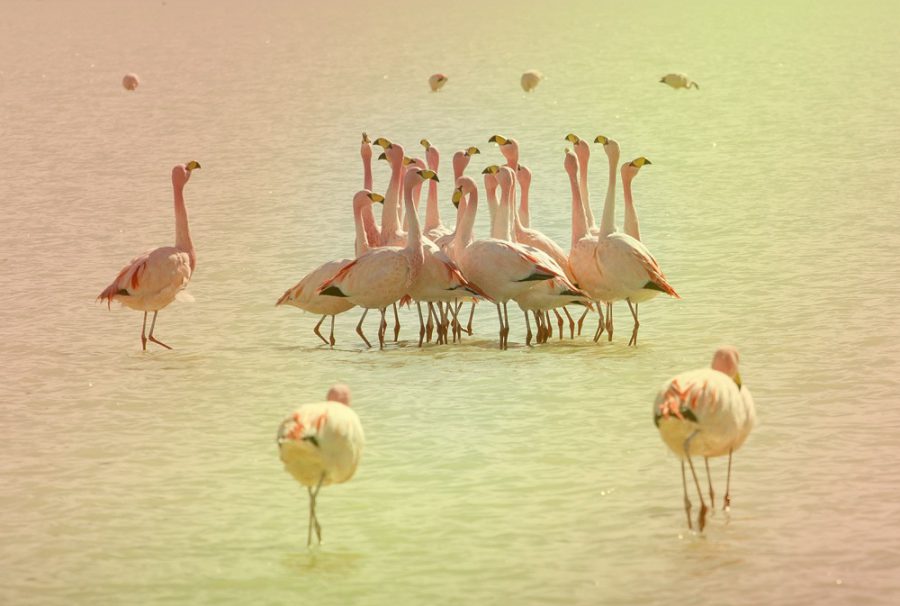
(362, 241)
(389, 214)
(432, 212)
(182, 231)
(367, 172)
(525, 214)
(416, 196)
(465, 230)
(632, 227)
(493, 204)
(583, 190)
(500, 224)
(579, 219)
(608, 221)
(518, 228)
(414, 248)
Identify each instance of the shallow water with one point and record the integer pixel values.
(518, 477)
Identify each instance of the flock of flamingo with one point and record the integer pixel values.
(706, 412)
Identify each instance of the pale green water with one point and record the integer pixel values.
(526, 477)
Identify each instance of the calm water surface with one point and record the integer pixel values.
(533, 476)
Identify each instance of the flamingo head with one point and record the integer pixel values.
(465, 186)
(182, 172)
(365, 149)
(523, 174)
(490, 177)
(364, 196)
(508, 147)
(460, 162)
(610, 146)
(726, 360)
(630, 169)
(432, 156)
(339, 393)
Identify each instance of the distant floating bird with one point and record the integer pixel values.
(678, 80)
(706, 412)
(531, 79)
(437, 82)
(130, 81)
(320, 444)
(152, 280)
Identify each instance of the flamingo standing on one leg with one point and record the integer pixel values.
(384, 275)
(706, 412)
(304, 295)
(320, 444)
(152, 281)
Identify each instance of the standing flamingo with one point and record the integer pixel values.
(501, 269)
(382, 276)
(706, 412)
(434, 229)
(583, 153)
(320, 444)
(304, 295)
(152, 280)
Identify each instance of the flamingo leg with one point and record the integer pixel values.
(150, 337)
(382, 328)
(712, 496)
(143, 335)
(331, 336)
(600, 323)
(500, 315)
(701, 518)
(422, 324)
(359, 327)
(559, 321)
(471, 315)
(541, 330)
(316, 330)
(637, 324)
(687, 501)
(454, 324)
(548, 325)
(444, 308)
(609, 321)
(429, 325)
(396, 323)
(727, 505)
(581, 320)
(505, 326)
(313, 518)
(571, 323)
(528, 333)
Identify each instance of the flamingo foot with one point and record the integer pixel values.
(701, 519)
(727, 505)
(158, 342)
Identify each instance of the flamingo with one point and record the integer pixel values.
(152, 280)
(373, 232)
(679, 80)
(531, 79)
(130, 81)
(629, 171)
(383, 275)
(707, 412)
(503, 270)
(303, 295)
(583, 153)
(437, 82)
(320, 444)
(434, 229)
(460, 162)
(391, 234)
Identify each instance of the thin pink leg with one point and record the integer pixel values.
(143, 335)
(316, 330)
(150, 337)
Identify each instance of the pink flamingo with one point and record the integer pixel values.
(365, 151)
(304, 295)
(503, 270)
(130, 81)
(707, 412)
(383, 276)
(152, 280)
(320, 444)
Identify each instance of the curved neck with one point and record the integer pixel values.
(182, 231)
(608, 221)
(390, 217)
(632, 227)
(359, 219)
(583, 190)
(500, 224)
(524, 214)
(579, 219)
(414, 234)
(493, 204)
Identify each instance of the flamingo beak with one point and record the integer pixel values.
(737, 380)
(192, 165)
(472, 151)
(572, 138)
(601, 139)
(424, 143)
(429, 174)
(382, 156)
(493, 169)
(457, 196)
(382, 142)
(365, 138)
(376, 198)
(498, 140)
